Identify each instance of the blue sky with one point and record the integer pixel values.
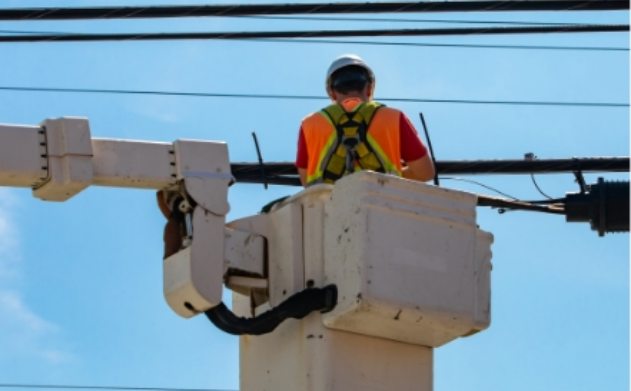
(80, 282)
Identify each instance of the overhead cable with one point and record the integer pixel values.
(110, 388)
(548, 200)
(447, 45)
(399, 20)
(480, 184)
(404, 44)
(310, 97)
(114, 12)
(285, 173)
(433, 32)
(484, 200)
(534, 182)
(539, 166)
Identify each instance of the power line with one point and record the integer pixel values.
(309, 97)
(549, 199)
(399, 20)
(534, 182)
(448, 45)
(34, 32)
(408, 44)
(480, 184)
(285, 173)
(503, 204)
(21, 14)
(317, 34)
(74, 387)
(539, 166)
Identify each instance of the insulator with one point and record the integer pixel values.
(605, 206)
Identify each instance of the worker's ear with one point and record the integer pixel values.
(369, 90)
(331, 93)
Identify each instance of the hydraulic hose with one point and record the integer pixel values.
(297, 306)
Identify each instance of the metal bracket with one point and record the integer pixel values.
(258, 152)
(578, 174)
(431, 149)
(43, 153)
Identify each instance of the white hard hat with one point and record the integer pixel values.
(344, 61)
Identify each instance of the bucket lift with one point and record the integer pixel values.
(340, 287)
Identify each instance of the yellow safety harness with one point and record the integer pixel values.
(351, 144)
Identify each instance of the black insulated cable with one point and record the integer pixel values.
(432, 32)
(251, 172)
(518, 205)
(534, 182)
(482, 185)
(37, 14)
(548, 201)
(399, 20)
(297, 306)
(540, 166)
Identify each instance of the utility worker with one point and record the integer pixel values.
(356, 133)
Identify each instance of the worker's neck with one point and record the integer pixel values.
(352, 95)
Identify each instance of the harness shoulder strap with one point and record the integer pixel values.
(368, 110)
(335, 112)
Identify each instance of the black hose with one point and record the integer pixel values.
(297, 306)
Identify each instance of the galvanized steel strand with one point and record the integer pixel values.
(309, 97)
(402, 44)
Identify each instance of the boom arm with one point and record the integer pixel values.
(59, 158)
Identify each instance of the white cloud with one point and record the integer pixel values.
(26, 336)
(23, 334)
(15, 312)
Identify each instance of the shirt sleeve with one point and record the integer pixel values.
(302, 156)
(412, 148)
